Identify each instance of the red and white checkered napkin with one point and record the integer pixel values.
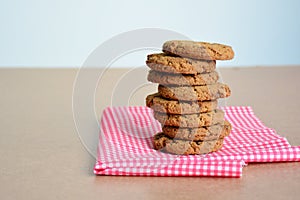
(125, 146)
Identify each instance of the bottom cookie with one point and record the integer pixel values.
(182, 147)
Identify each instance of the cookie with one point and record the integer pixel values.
(159, 104)
(173, 64)
(198, 50)
(214, 132)
(180, 80)
(183, 147)
(193, 93)
(192, 120)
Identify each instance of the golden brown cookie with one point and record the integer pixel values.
(173, 64)
(191, 120)
(193, 93)
(213, 132)
(180, 79)
(159, 104)
(183, 147)
(198, 50)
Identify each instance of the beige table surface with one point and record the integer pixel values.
(41, 156)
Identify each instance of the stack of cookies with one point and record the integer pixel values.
(186, 104)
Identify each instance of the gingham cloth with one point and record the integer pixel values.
(125, 146)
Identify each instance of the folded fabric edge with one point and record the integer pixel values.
(290, 154)
(262, 155)
(221, 169)
(175, 174)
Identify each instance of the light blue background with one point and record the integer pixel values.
(62, 33)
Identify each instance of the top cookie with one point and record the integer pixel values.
(198, 50)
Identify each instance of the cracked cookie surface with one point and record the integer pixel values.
(213, 132)
(193, 93)
(198, 50)
(173, 64)
(191, 120)
(180, 79)
(160, 104)
(182, 147)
